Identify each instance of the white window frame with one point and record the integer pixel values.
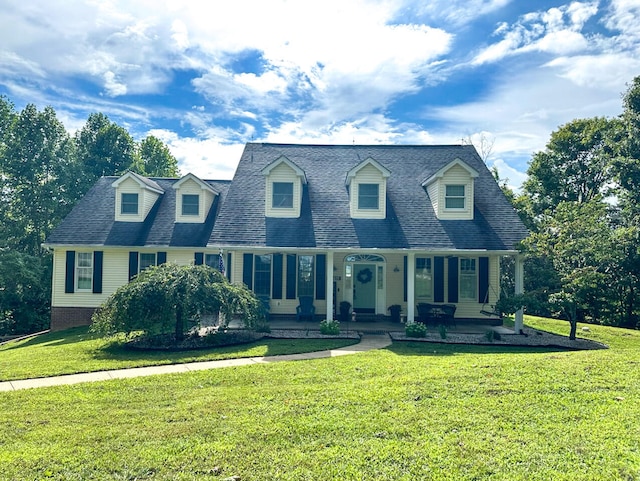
(468, 278)
(86, 269)
(424, 278)
(147, 264)
(123, 203)
(278, 197)
(258, 288)
(455, 196)
(306, 275)
(366, 196)
(192, 197)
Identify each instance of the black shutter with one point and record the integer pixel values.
(276, 289)
(453, 279)
(438, 279)
(227, 268)
(247, 270)
(291, 276)
(198, 258)
(161, 258)
(483, 279)
(133, 265)
(97, 272)
(321, 276)
(70, 272)
(406, 278)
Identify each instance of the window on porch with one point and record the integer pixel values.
(262, 275)
(468, 279)
(423, 278)
(305, 275)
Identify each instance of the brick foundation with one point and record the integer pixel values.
(67, 317)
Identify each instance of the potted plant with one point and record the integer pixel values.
(345, 308)
(395, 312)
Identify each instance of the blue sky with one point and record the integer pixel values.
(208, 76)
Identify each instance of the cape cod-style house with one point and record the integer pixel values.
(374, 225)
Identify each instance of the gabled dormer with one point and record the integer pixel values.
(193, 199)
(283, 188)
(135, 196)
(367, 184)
(451, 190)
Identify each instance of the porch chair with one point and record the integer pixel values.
(306, 309)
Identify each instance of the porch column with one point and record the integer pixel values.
(329, 285)
(411, 287)
(519, 289)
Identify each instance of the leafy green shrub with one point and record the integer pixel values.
(329, 327)
(415, 329)
(170, 298)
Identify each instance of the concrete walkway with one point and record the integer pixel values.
(367, 343)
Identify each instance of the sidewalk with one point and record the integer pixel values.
(367, 343)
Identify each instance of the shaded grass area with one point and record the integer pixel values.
(77, 350)
(413, 411)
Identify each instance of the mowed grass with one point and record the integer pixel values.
(77, 350)
(415, 411)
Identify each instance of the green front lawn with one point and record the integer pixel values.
(414, 411)
(77, 350)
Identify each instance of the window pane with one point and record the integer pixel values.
(424, 278)
(262, 281)
(468, 279)
(454, 197)
(146, 261)
(129, 204)
(84, 271)
(190, 204)
(305, 276)
(283, 195)
(368, 196)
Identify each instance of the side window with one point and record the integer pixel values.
(305, 275)
(262, 275)
(368, 196)
(190, 204)
(282, 195)
(468, 279)
(147, 260)
(129, 204)
(424, 278)
(454, 197)
(84, 271)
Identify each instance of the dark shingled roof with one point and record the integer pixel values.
(92, 221)
(237, 216)
(325, 220)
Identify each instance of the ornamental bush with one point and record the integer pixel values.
(329, 327)
(415, 329)
(172, 298)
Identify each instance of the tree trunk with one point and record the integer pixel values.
(574, 327)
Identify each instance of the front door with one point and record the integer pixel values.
(364, 288)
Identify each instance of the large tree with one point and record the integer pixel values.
(104, 148)
(575, 165)
(155, 158)
(36, 169)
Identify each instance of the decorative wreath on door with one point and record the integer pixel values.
(365, 276)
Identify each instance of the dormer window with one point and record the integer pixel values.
(451, 190)
(190, 204)
(367, 184)
(282, 195)
(454, 197)
(129, 204)
(135, 196)
(194, 198)
(368, 196)
(284, 185)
